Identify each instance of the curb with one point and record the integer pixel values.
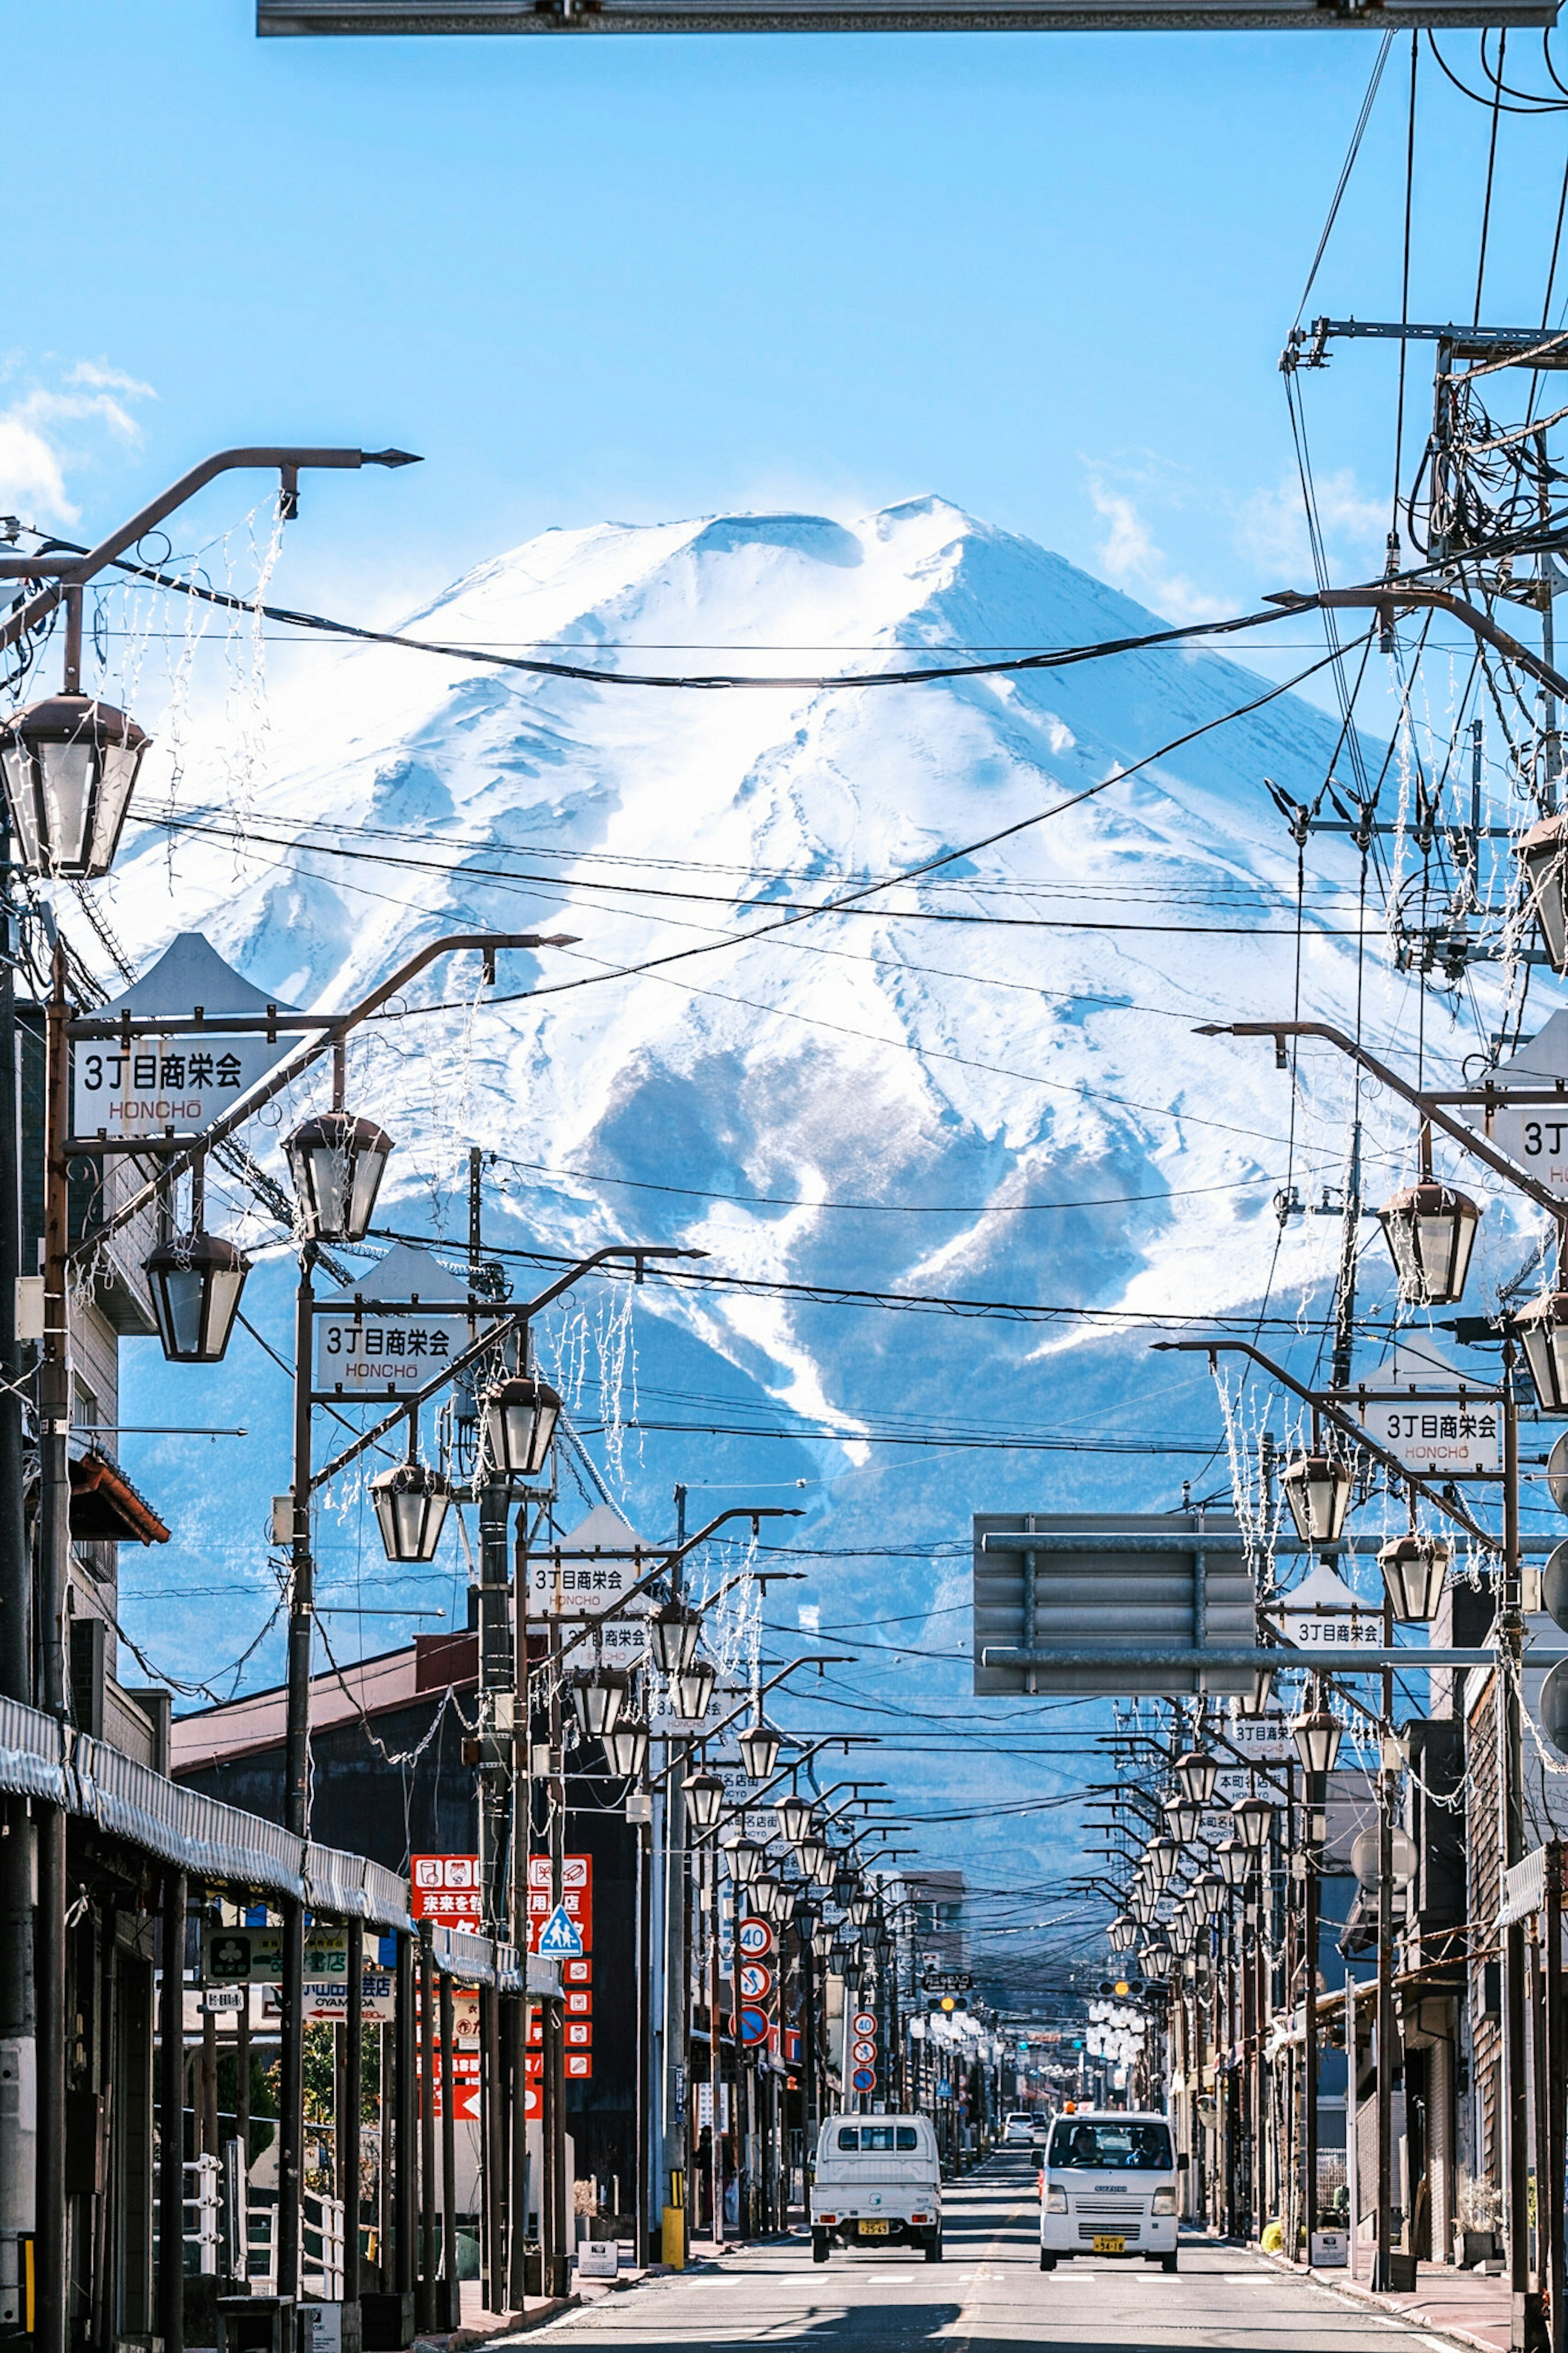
(1371, 2301)
(516, 2324)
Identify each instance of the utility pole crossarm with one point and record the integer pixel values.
(1429, 1106)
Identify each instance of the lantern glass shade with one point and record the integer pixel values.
(811, 1856)
(692, 1691)
(1163, 1856)
(794, 1820)
(1414, 1569)
(195, 1282)
(746, 1859)
(626, 1750)
(337, 1163)
(673, 1631)
(1157, 1959)
(1543, 853)
(1430, 1230)
(1181, 1816)
(1232, 1858)
(598, 1696)
(808, 1928)
(759, 1746)
(844, 1886)
(1121, 1934)
(1317, 1490)
(704, 1800)
(1197, 1772)
(1317, 1738)
(1543, 1329)
(860, 1910)
(1366, 1857)
(1254, 1817)
(519, 1417)
(764, 1896)
(69, 768)
(411, 1505)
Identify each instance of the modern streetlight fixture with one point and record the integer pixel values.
(519, 1417)
(1254, 1818)
(1317, 1490)
(704, 1800)
(1543, 853)
(1543, 1329)
(1197, 1772)
(411, 1504)
(598, 1695)
(69, 767)
(1317, 1738)
(626, 1750)
(759, 1746)
(195, 1282)
(1414, 1569)
(673, 1631)
(1430, 1229)
(337, 1163)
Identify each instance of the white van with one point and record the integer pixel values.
(877, 2184)
(1109, 2186)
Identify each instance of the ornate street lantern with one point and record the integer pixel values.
(1181, 1818)
(704, 1800)
(1317, 1738)
(411, 1505)
(1430, 1229)
(673, 1631)
(765, 1895)
(1232, 1858)
(693, 1688)
(808, 1928)
(861, 1908)
(519, 1417)
(337, 1163)
(746, 1859)
(1197, 1772)
(1121, 1935)
(1254, 1818)
(844, 1884)
(626, 1750)
(1414, 1567)
(759, 1746)
(1163, 1857)
(1157, 1958)
(1208, 1895)
(794, 1819)
(70, 766)
(1543, 1329)
(1317, 1490)
(197, 1280)
(1543, 853)
(811, 1856)
(598, 1695)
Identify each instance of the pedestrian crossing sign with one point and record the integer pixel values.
(559, 1938)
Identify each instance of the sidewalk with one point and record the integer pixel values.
(1469, 2306)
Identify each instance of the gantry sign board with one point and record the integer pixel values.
(585, 17)
(1070, 1592)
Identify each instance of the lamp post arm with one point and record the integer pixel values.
(293, 1065)
(1393, 593)
(1330, 1412)
(714, 1730)
(1427, 1105)
(73, 571)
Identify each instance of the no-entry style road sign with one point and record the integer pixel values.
(864, 2079)
(756, 1982)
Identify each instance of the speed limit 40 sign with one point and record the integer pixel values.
(865, 2021)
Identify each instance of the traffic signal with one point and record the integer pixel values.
(948, 2003)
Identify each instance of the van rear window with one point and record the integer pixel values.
(875, 2136)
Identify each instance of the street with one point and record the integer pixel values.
(987, 2291)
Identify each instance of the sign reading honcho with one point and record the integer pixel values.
(148, 1084)
(366, 1349)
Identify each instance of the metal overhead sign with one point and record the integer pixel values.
(1424, 1412)
(364, 1351)
(1534, 1133)
(140, 1086)
(1108, 1605)
(586, 19)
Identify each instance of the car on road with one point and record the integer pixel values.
(1110, 2186)
(877, 2183)
(1018, 2132)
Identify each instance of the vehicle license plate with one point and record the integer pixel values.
(1109, 2243)
(875, 2230)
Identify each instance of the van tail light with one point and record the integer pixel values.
(830, 2217)
(919, 2217)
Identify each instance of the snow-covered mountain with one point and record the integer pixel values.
(982, 1085)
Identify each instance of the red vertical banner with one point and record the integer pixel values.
(577, 1971)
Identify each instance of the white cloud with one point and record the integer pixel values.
(51, 430)
(1271, 525)
(1129, 556)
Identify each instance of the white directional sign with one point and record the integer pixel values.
(362, 1352)
(588, 1569)
(1321, 1613)
(1424, 1412)
(147, 1086)
(1535, 1134)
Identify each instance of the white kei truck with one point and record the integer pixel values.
(1109, 2186)
(877, 2184)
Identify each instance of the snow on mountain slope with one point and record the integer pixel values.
(882, 1089)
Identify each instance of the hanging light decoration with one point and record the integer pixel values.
(1543, 853)
(626, 1750)
(69, 767)
(1430, 1229)
(673, 1631)
(1317, 1490)
(1197, 1772)
(1543, 1330)
(411, 1504)
(197, 1280)
(337, 1163)
(519, 1417)
(1254, 1818)
(598, 1695)
(1414, 1569)
(693, 1688)
(704, 1800)
(759, 1746)
(1317, 1738)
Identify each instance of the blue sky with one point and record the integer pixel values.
(1047, 276)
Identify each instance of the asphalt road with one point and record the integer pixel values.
(987, 2292)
